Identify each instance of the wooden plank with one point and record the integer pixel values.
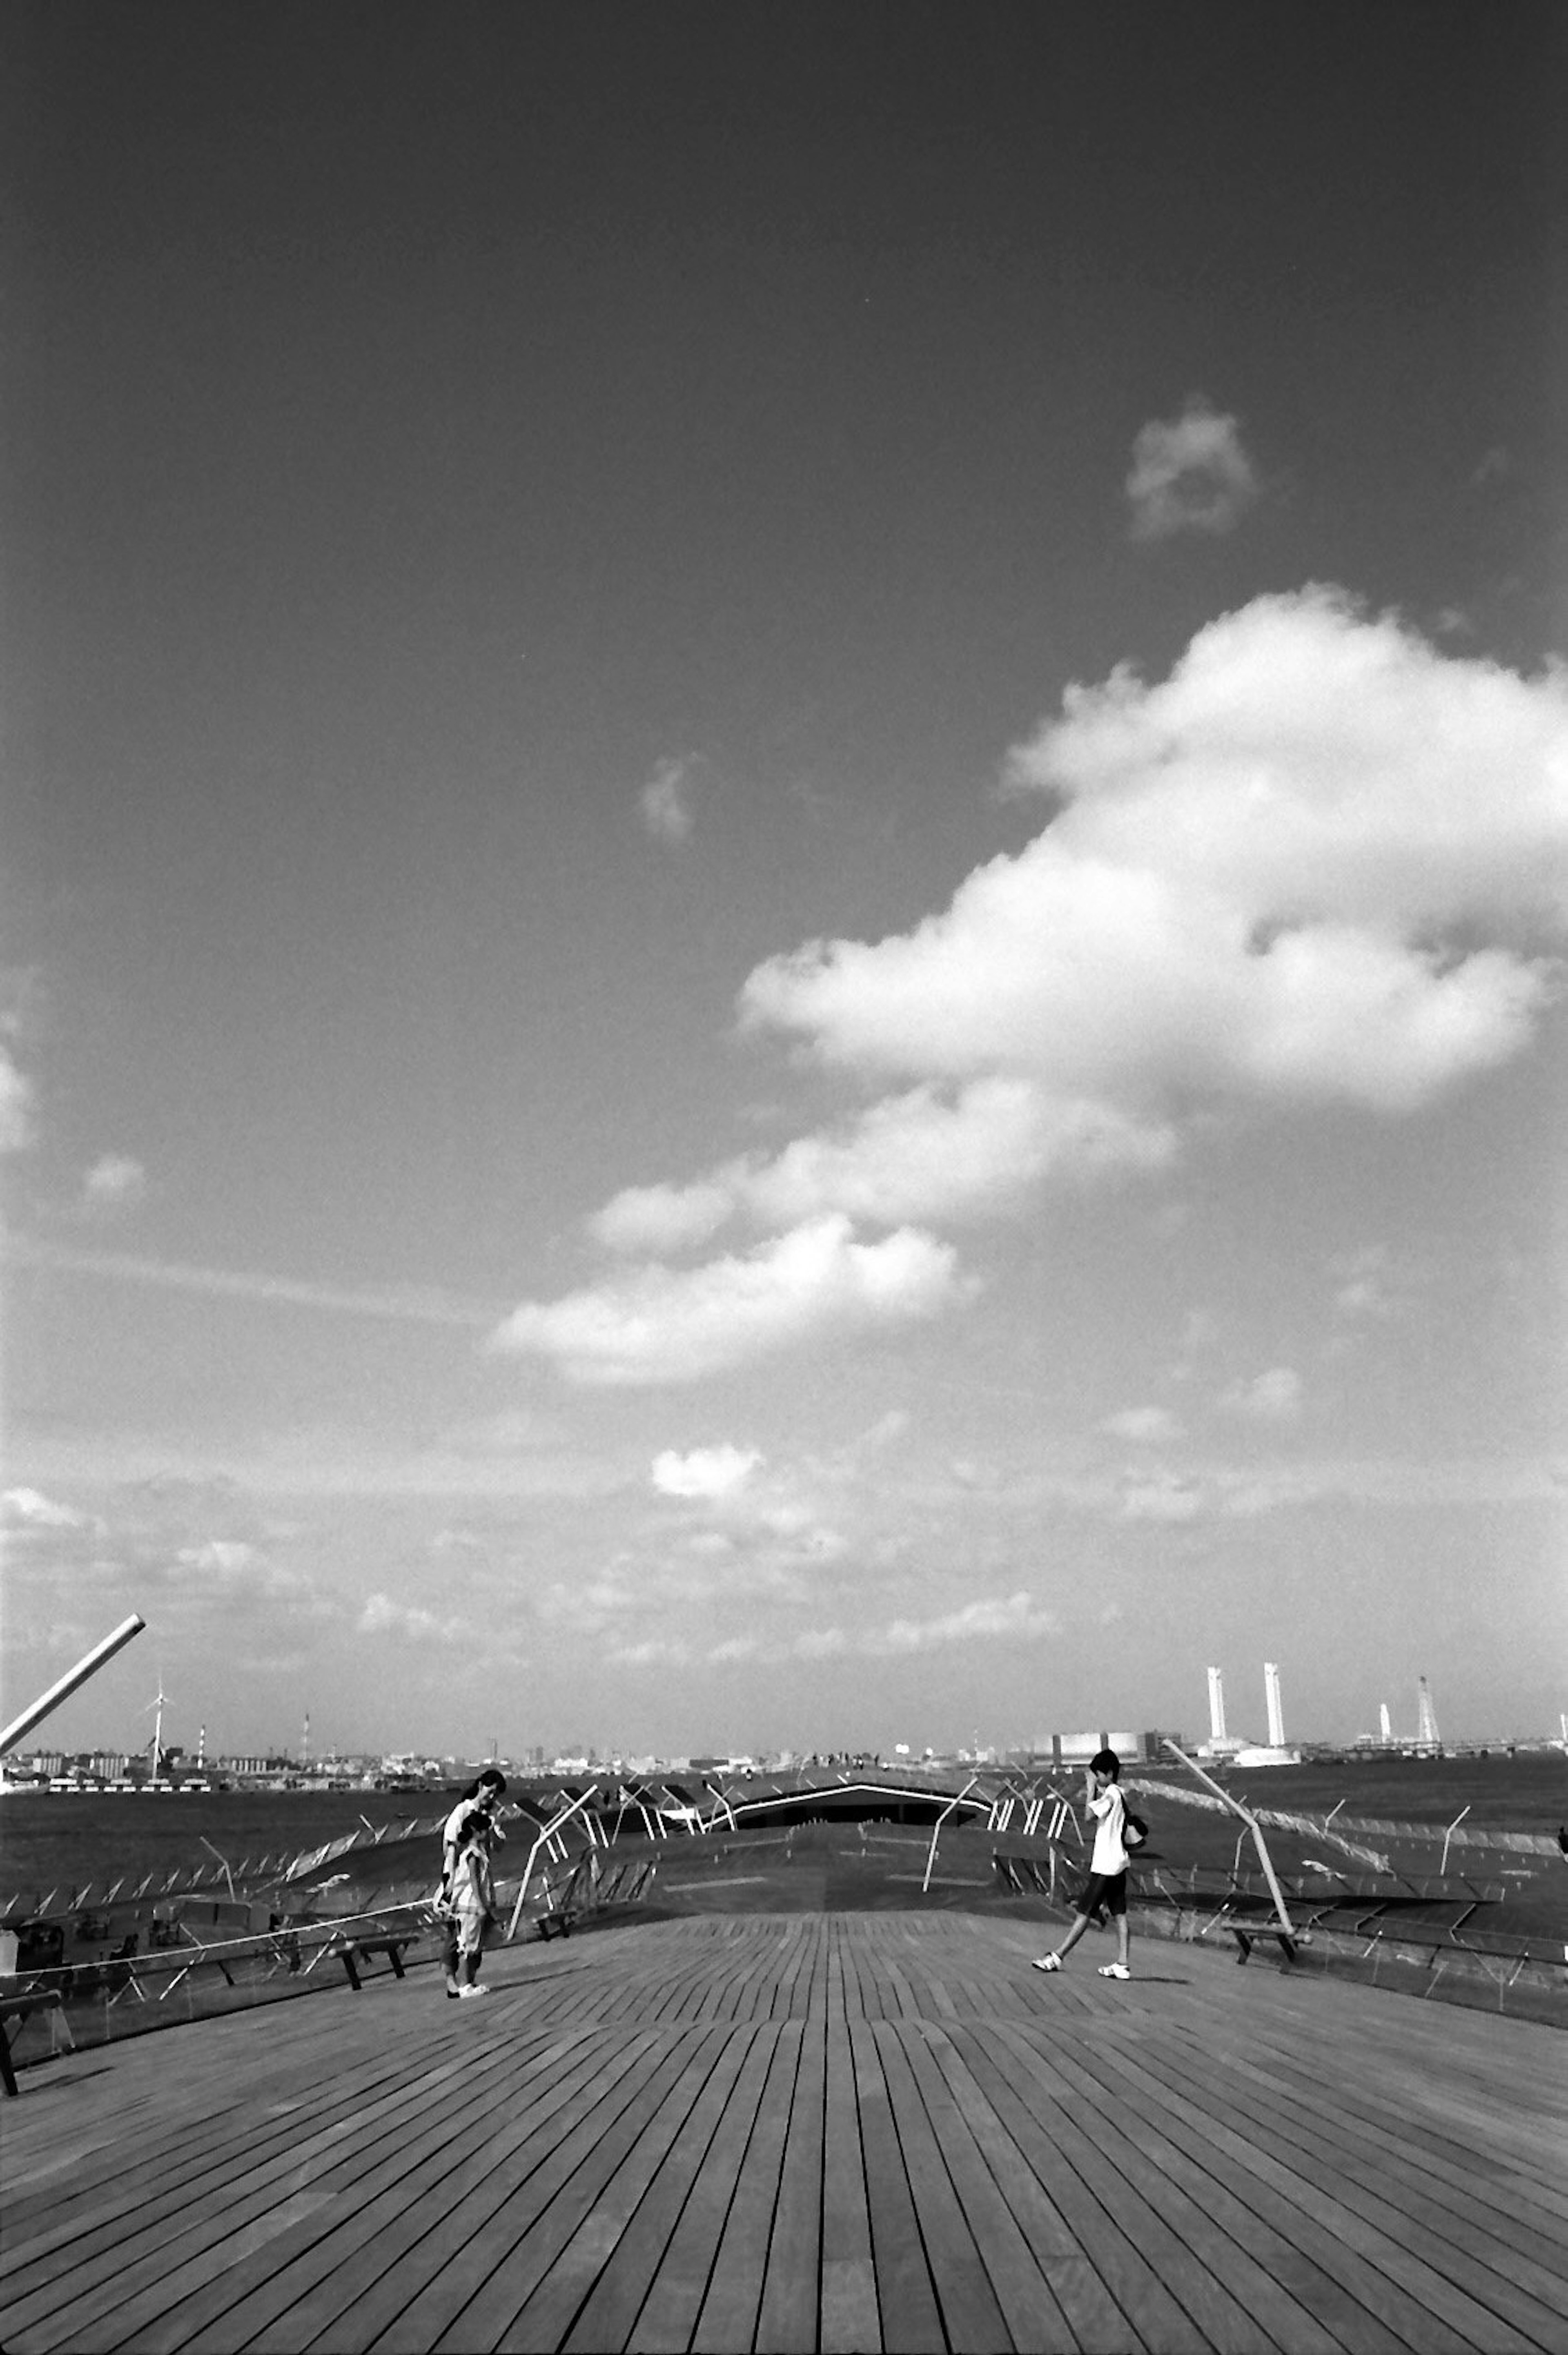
(144, 2201)
(505, 2239)
(1362, 2306)
(971, 2315)
(588, 2222)
(145, 2235)
(1034, 2317)
(206, 2281)
(627, 2238)
(1095, 2323)
(1375, 2123)
(1022, 2101)
(788, 2310)
(1315, 2187)
(669, 2313)
(1211, 2233)
(337, 2289)
(849, 2319)
(1496, 2288)
(728, 2317)
(911, 2318)
(1522, 2208)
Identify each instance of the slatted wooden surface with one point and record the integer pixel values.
(841, 2131)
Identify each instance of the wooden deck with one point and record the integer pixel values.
(839, 2131)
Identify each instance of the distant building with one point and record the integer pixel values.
(1077, 1749)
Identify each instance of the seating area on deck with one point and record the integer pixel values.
(808, 2131)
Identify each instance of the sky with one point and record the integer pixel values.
(783, 865)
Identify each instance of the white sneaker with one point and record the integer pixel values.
(1047, 1963)
(479, 1990)
(1115, 1971)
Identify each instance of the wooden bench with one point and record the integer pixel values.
(351, 1953)
(20, 2007)
(1287, 1939)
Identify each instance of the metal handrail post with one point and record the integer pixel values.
(547, 1833)
(936, 1832)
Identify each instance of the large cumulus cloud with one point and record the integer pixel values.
(1321, 860)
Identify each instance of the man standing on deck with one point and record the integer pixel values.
(1107, 1881)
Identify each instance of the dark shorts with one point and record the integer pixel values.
(1105, 1888)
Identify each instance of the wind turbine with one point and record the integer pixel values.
(157, 1759)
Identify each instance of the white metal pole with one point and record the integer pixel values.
(86, 1667)
(1285, 1922)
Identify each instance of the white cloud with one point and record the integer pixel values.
(409, 1624)
(1271, 1397)
(16, 1129)
(1190, 474)
(1014, 1616)
(665, 801)
(662, 1218)
(1146, 1426)
(1321, 860)
(1161, 1496)
(235, 1571)
(114, 1182)
(928, 1154)
(1363, 1286)
(704, 1471)
(820, 1644)
(655, 1651)
(735, 1647)
(663, 1324)
(27, 1508)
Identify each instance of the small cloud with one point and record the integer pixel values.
(1146, 1426)
(1013, 1614)
(705, 1472)
(1190, 474)
(1362, 1289)
(820, 1644)
(405, 1623)
(656, 1652)
(1161, 1496)
(27, 1508)
(661, 1218)
(665, 801)
(115, 1182)
(1272, 1397)
(735, 1647)
(16, 1127)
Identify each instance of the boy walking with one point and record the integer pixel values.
(1107, 1882)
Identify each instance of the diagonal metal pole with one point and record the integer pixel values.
(1251, 1820)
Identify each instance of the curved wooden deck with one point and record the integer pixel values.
(839, 2131)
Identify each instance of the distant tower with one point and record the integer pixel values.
(201, 1747)
(1275, 1714)
(1385, 1725)
(1216, 1705)
(1426, 1735)
(305, 1758)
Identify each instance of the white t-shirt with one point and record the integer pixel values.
(1109, 1810)
(449, 1830)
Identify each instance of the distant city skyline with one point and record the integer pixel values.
(784, 897)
